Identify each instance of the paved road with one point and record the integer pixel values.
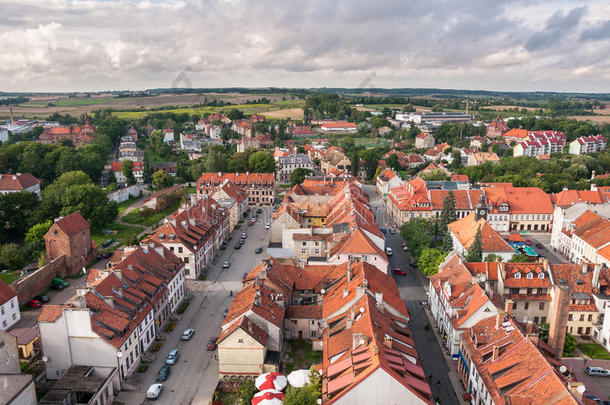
(598, 386)
(413, 292)
(194, 378)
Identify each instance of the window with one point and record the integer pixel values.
(541, 306)
(240, 341)
(540, 275)
(4, 324)
(526, 306)
(179, 249)
(529, 291)
(582, 317)
(530, 275)
(514, 306)
(15, 316)
(1, 310)
(517, 275)
(543, 319)
(590, 318)
(303, 251)
(12, 304)
(536, 319)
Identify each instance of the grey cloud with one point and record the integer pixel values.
(558, 25)
(600, 31)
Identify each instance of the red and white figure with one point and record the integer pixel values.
(268, 397)
(271, 381)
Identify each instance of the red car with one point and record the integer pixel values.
(528, 242)
(400, 272)
(212, 343)
(34, 303)
(404, 244)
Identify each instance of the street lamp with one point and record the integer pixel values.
(119, 355)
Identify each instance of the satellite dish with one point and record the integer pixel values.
(581, 389)
(563, 369)
(323, 291)
(119, 354)
(45, 358)
(361, 310)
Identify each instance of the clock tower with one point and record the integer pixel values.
(481, 208)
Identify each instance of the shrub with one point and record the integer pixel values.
(183, 307)
(143, 368)
(170, 327)
(157, 346)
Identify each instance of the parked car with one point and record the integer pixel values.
(108, 255)
(528, 242)
(388, 251)
(400, 272)
(405, 248)
(383, 230)
(238, 245)
(594, 398)
(226, 312)
(226, 265)
(108, 242)
(267, 225)
(597, 371)
(258, 211)
(164, 372)
(258, 250)
(34, 304)
(253, 219)
(212, 344)
(188, 334)
(42, 298)
(392, 231)
(172, 357)
(59, 284)
(242, 241)
(244, 235)
(539, 245)
(250, 223)
(154, 391)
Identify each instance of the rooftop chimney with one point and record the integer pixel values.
(496, 353)
(349, 271)
(508, 307)
(387, 341)
(595, 280)
(379, 301)
(358, 339)
(498, 320)
(583, 268)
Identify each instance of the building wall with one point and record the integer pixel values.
(37, 281)
(9, 313)
(379, 388)
(582, 320)
(77, 248)
(9, 356)
(240, 354)
(27, 396)
(309, 328)
(374, 259)
(533, 311)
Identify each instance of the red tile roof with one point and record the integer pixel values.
(73, 223)
(16, 182)
(6, 293)
(567, 198)
(50, 313)
(465, 231)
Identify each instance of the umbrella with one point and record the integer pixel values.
(268, 397)
(271, 381)
(298, 378)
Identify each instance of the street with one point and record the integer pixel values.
(413, 292)
(194, 377)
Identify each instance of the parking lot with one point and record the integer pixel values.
(598, 386)
(193, 378)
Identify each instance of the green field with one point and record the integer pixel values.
(123, 235)
(9, 276)
(594, 350)
(245, 108)
(70, 102)
(134, 217)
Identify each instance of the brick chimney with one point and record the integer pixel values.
(387, 341)
(499, 318)
(508, 307)
(558, 318)
(496, 353)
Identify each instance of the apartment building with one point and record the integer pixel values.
(587, 144)
(9, 306)
(287, 164)
(260, 187)
(539, 143)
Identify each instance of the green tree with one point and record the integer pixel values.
(16, 211)
(448, 213)
(429, 260)
(261, 162)
(11, 257)
(300, 396)
(93, 204)
(475, 254)
(162, 179)
(127, 170)
(416, 236)
(492, 257)
(519, 258)
(35, 235)
(434, 175)
(569, 345)
(447, 242)
(215, 162)
(52, 195)
(246, 392)
(298, 175)
(111, 178)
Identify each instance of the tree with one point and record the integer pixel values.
(475, 254)
(11, 257)
(519, 258)
(298, 175)
(415, 235)
(261, 162)
(111, 178)
(127, 170)
(434, 175)
(392, 162)
(238, 162)
(52, 195)
(300, 396)
(35, 235)
(162, 179)
(246, 392)
(448, 242)
(215, 162)
(429, 260)
(16, 211)
(448, 214)
(493, 258)
(93, 204)
(569, 345)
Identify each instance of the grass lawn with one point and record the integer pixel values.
(594, 350)
(134, 216)
(302, 356)
(125, 204)
(123, 235)
(9, 276)
(154, 158)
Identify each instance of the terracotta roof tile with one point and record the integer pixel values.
(465, 231)
(16, 182)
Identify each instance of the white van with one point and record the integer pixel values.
(388, 251)
(154, 391)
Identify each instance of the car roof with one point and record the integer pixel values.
(173, 351)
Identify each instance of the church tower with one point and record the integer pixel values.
(481, 208)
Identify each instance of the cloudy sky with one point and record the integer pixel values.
(521, 45)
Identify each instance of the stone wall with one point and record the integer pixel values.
(37, 281)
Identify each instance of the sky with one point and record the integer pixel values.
(504, 45)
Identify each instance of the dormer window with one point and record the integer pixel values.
(540, 275)
(517, 275)
(530, 275)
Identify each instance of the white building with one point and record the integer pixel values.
(456, 301)
(587, 144)
(168, 135)
(9, 306)
(287, 164)
(15, 183)
(540, 143)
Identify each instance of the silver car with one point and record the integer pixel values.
(172, 357)
(188, 334)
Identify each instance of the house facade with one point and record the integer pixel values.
(70, 236)
(9, 306)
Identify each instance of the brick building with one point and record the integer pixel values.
(70, 236)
